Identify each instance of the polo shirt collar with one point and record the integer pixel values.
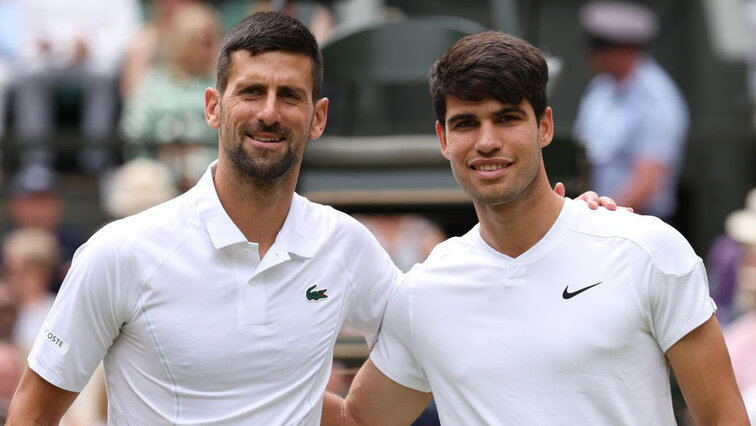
(223, 232)
(292, 236)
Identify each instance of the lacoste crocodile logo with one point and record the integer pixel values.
(313, 294)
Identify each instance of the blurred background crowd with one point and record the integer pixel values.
(101, 116)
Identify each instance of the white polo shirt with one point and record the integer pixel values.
(572, 332)
(195, 329)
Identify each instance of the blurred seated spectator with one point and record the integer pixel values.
(11, 367)
(741, 334)
(138, 185)
(8, 311)
(722, 265)
(71, 45)
(148, 45)
(10, 12)
(36, 202)
(408, 238)
(30, 259)
(163, 117)
(315, 14)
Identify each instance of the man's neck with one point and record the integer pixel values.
(257, 209)
(513, 228)
(624, 69)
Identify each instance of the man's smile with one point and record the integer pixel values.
(490, 169)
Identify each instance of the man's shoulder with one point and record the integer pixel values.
(323, 222)
(163, 221)
(662, 243)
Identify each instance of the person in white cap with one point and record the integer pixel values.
(633, 119)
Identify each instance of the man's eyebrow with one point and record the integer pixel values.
(293, 89)
(510, 109)
(460, 117)
(247, 86)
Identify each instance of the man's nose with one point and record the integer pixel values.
(269, 110)
(487, 141)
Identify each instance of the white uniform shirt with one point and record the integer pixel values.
(572, 332)
(642, 117)
(194, 329)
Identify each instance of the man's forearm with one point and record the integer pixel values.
(333, 410)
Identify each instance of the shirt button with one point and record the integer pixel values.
(253, 281)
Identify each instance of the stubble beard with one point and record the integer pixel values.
(264, 168)
(514, 190)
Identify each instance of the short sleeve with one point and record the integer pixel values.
(394, 354)
(85, 319)
(679, 304)
(374, 277)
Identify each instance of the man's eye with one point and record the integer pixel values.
(505, 118)
(464, 123)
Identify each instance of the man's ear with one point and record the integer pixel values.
(319, 118)
(546, 128)
(212, 107)
(442, 139)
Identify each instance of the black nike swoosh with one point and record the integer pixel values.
(567, 295)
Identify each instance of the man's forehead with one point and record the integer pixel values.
(288, 65)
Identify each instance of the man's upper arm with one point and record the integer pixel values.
(37, 402)
(703, 370)
(374, 399)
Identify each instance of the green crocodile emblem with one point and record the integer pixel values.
(316, 294)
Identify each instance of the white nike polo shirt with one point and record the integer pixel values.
(571, 332)
(195, 329)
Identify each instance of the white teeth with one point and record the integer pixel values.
(262, 139)
(487, 167)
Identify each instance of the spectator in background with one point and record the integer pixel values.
(163, 116)
(8, 311)
(740, 335)
(10, 11)
(315, 14)
(35, 202)
(148, 45)
(11, 368)
(632, 119)
(30, 259)
(79, 44)
(138, 185)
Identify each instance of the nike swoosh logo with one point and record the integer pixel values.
(567, 295)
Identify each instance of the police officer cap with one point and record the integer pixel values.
(619, 22)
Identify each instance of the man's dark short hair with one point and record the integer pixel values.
(492, 64)
(267, 32)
